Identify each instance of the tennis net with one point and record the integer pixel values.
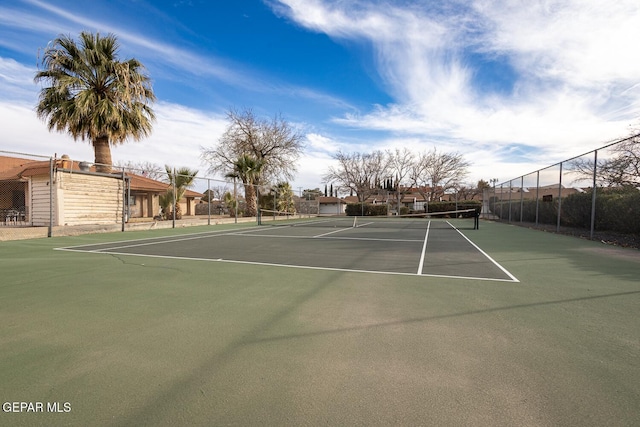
(466, 219)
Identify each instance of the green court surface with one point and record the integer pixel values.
(245, 325)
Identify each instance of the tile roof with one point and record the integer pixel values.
(15, 168)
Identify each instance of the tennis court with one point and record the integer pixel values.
(411, 246)
(320, 325)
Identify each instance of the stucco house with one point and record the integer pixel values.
(64, 192)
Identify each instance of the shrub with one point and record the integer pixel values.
(366, 209)
(617, 209)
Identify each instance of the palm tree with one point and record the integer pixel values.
(180, 179)
(165, 201)
(94, 96)
(285, 201)
(248, 169)
(231, 202)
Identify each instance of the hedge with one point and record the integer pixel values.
(366, 209)
(617, 209)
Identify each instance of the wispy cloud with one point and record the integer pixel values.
(16, 81)
(176, 125)
(152, 50)
(574, 75)
(176, 56)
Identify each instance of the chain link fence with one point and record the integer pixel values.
(595, 195)
(44, 196)
(27, 205)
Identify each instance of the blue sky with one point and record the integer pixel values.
(513, 85)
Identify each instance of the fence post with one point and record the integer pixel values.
(173, 214)
(537, 196)
(521, 197)
(501, 202)
(50, 229)
(125, 201)
(235, 198)
(559, 199)
(208, 201)
(510, 191)
(257, 204)
(593, 194)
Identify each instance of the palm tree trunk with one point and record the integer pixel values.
(102, 154)
(252, 205)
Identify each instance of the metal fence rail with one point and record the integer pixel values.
(594, 195)
(44, 196)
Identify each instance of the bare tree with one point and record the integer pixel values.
(272, 144)
(469, 191)
(400, 163)
(435, 173)
(362, 173)
(216, 192)
(148, 169)
(622, 169)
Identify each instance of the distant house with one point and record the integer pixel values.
(64, 192)
(145, 193)
(331, 206)
(545, 193)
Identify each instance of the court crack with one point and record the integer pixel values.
(122, 259)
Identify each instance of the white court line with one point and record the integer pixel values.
(424, 249)
(190, 237)
(331, 232)
(346, 270)
(323, 237)
(504, 270)
(364, 225)
(168, 239)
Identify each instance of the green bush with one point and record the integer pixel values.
(617, 209)
(366, 209)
